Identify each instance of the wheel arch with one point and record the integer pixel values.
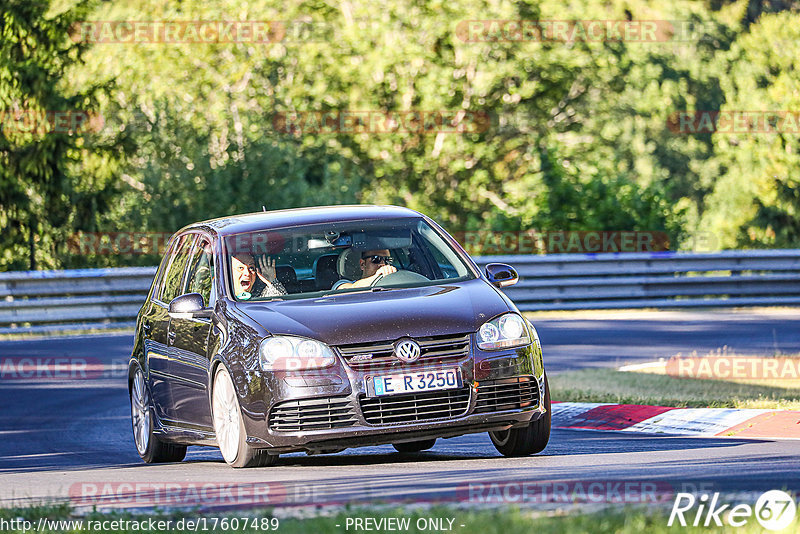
(133, 365)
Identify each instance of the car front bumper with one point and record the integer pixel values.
(332, 410)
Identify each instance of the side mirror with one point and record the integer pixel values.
(189, 306)
(501, 275)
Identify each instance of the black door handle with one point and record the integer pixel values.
(146, 327)
(171, 337)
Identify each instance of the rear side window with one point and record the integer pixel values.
(173, 278)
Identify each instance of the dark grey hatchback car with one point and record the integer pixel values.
(319, 329)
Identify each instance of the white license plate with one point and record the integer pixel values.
(415, 382)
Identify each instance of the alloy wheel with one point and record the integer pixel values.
(140, 412)
(226, 416)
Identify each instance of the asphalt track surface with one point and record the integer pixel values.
(57, 437)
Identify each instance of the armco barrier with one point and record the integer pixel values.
(100, 298)
(654, 280)
(41, 301)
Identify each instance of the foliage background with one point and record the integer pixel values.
(579, 138)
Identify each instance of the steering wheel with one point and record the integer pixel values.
(398, 278)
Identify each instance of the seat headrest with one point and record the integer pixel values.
(349, 264)
(325, 271)
(286, 274)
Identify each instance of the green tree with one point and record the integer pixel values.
(753, 200)
(579, 138)
(41, 195)
(200, 118)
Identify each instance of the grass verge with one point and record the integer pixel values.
(488, 521)
(24, 336)
(610, 385)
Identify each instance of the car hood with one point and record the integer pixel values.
(382, 315)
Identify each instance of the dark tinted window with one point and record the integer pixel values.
(201, 270)
(162, 269)
(173, 278)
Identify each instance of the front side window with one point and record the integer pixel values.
(337, 257)
(173, 278)
(201, 270)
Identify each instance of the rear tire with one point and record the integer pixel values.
(229, 426)
(150, 448)
(415, 446)
(527, 440)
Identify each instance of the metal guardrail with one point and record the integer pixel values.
(654, 280)
(42, 301)
(39, 301)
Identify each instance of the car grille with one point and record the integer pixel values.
(312, 414)
(510, 394)
(434, 349)
(414, 407)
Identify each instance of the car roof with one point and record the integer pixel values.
(249, 222)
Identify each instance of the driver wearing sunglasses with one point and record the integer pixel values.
(373, 263)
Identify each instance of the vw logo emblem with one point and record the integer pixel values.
(407, 350)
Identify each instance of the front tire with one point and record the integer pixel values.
(229, 426)
(529, 439)
(415, 446)
(150, 448)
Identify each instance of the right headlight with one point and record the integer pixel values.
(294, 353)
(504, 332)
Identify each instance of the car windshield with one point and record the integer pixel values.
(339, 257)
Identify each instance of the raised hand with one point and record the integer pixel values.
(266, 269)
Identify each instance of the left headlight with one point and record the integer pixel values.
(504, 332)
(293, 353)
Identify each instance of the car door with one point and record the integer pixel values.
(190, 367)
(159, 352)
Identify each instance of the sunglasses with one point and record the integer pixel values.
(377, 260)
